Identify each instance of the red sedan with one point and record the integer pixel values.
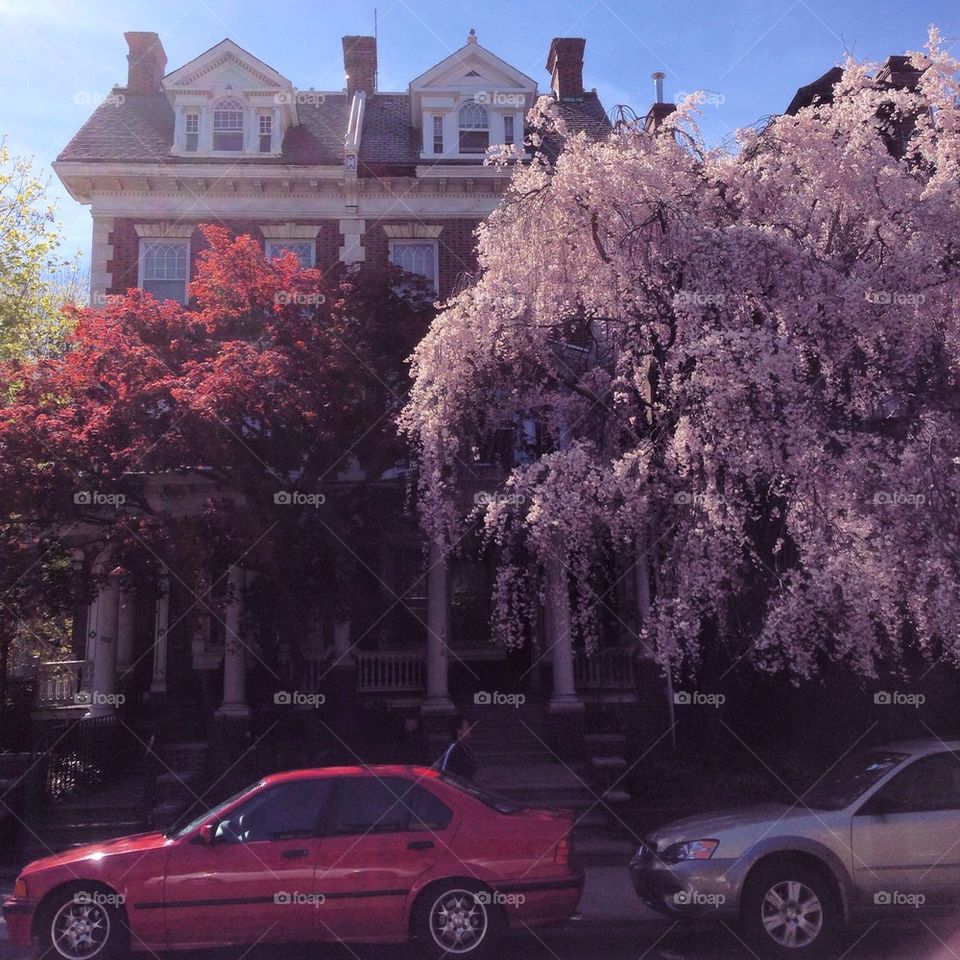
(355, 854)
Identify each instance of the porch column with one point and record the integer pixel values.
(234, 704)
(126, 628)
(342, 654)
(564, 699)
(437, 700)
(158, 683)
(103, 647)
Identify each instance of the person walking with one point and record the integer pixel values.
(457, 758)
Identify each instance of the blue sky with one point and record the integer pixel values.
(753, 54)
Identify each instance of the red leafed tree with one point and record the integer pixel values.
(258, 395)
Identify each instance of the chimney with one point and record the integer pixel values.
(147, 62)
(360, 64)
(660, 110)
(565, 65)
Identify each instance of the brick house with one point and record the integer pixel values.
(357, 175)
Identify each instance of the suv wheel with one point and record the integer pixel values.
(790, 910)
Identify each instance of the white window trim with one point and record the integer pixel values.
(273, 246)
(251, 130)
(170, 241)
(401, 241)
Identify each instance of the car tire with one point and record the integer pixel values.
(457, 918)
(790, 910)
(82, 923)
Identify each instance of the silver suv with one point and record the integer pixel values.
(877, 836)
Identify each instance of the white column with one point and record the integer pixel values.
(126, 629)
(343, 655)
(234, 704)
(158, 683)
(438, 630)
(103, 685)
(564, 699)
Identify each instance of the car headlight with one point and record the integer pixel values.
(689, 850)
(20, 888)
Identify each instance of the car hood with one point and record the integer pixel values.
(715, 824)
(138, 843)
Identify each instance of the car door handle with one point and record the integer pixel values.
(419, 844)
(294, 854)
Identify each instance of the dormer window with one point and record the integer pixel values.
(266, 132)
(228, 126)
(474, 128)
(191, 128)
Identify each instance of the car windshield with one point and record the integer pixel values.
(176, 831)
(851, 778)
(500, 804)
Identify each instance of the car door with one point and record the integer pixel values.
(382, 833)
(254, 882)
(906, 837)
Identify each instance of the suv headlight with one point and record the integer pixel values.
(689, 850)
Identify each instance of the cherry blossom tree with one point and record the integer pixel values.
(743, 370)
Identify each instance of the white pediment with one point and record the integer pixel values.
(226, 66)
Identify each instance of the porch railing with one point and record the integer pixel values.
(605, 670)
(389, 672)
(58, 682)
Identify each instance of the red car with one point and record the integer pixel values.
(357, 854)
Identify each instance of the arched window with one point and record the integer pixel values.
(474, 128)
(228, 126)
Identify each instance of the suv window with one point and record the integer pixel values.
(281, 812)
(930, 783)
(385, 805)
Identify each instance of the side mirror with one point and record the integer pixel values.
(206, 834)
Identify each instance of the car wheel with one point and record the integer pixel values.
(81, 925)
(790, 910)
(457, 919)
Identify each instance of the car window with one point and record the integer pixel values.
(281, 812)
(851, 778)
(930, 783)
(500, 804)
(385, 805)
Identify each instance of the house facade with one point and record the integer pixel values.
(352, 176)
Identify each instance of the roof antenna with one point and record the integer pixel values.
(376, 46)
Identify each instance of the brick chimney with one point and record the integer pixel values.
(360, 64)
(147, 62)
(565, 65)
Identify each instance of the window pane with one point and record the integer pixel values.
(474, 141)
(508, 129)
(165, 269)
(417, 258)
(193, 123)
(228, 127)
(473, 116)
(931, 783)
(438, 134)
(369, 805)
(304, 250)
(281, 812)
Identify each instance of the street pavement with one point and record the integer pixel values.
(612, 925)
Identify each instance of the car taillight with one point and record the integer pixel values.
(561, 856)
